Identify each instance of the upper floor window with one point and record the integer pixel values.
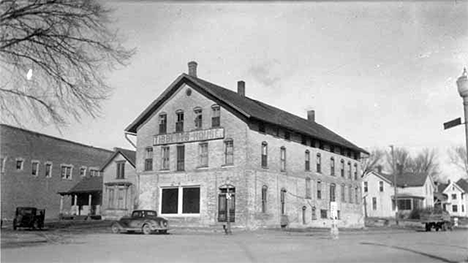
(148, 158)
(332, 192)
(319, 163)
(203, 155)
(165, 158)
(264, 154)
(120, 173)
(349, 171)
(332, 166)
(48, 170)
(264, 198)
(343, 194)
(283, 158)
(180, 121)
(319, 190)
(381, 186)
(365, 187)
(83, 171)
(94, 172)
(228, 152)
(307, 160)
(66, 172)
(19, 164)
(356, 194)
(162, 123)
(342, 168)
(355, 171)
(198, 118)
(180, 158)
(35, 168)
(308, 194)
(374, 203)
(216, 116)
(454, 196)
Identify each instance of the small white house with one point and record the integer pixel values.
(377, 192)
(456, 199)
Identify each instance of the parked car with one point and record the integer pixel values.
(437, 219)
(145, 221)
(30, 217)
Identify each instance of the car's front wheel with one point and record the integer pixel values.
(146, 229)
(115, 228)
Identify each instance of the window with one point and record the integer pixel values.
(191, 200)
(180, 121)
(120, 172)
(338, 214)
(162, 123)
(308, 194)
(149, 159)
(180, 158)
(374, 203)
(66, 172)
(355, 172)
(463, 208)
(332, 193)
(332, 166)
(381, 186)
(83, 171)
(198, 118)
(19, 164)
(94, 172)
(307, 160)
(454, 208)
(228, 152)
(187, 198)
(165, 158)
(350, 194)
(283, 158)
(216, 116)
(323, 213)
(342, 168)
(319, 163)
(170, 201)
(287, 135)
(343, 194)
(264, 154)
(225, 198)
(350, 171)
(319, 190)
(356, 195)
(203, 154)
(404, 204)
(283, 201)
(35, 168)
(111, 198)
(261, 127)
(365, 187)
(454, 196)
(264, 198)
(48, 170)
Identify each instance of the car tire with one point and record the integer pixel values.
(162, 231)
(115, 228)
(14, 224)
(146, 229)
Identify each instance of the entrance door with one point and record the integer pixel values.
(223, 199)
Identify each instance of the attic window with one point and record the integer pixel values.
(188, 92)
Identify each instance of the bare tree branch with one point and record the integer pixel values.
(69, 48)
(372, 161)
(457, 155)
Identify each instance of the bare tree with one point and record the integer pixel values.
(402, 159)
(457, 155)
(371, 162)
(53, 56)
(425, 162)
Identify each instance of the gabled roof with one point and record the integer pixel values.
(380, 175)
(408, 179)
(86, 185)
(248, 108)
(441, 187)
(129, 155)
(463, 183)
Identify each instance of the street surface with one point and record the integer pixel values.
(257, 246)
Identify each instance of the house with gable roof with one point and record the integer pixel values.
(455, 194)
(218, 154)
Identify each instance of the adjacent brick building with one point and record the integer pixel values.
(204, 141)
(35, 167)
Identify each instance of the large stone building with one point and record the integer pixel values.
(36, 167)
(199, 145)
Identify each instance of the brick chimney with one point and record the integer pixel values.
(241, 88)
(192, 68)
(379, 168)
(311, 115)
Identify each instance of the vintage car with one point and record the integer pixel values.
(145, 221)
(30, 217)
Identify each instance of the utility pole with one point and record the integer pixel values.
(394, 185)
(462, 84)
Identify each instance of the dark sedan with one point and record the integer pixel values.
(145, 221)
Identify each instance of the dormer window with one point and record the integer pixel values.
(162, 123)
(180, 121)
(216, 116)
(198, 118)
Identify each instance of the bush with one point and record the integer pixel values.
(416, 213)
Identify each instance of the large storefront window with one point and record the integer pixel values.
(180, 200)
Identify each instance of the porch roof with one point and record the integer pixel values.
(408, 196)
(86, 185)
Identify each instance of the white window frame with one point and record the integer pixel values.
(45, 169)
(180, 200)
(35, 162)
(71, 171)
(22, 164)
(85, 170)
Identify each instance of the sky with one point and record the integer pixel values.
(376, 73)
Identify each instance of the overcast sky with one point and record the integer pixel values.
(375, 73)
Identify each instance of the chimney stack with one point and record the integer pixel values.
(192, 68)
(379, 168)
(311, 115)
(241, 88)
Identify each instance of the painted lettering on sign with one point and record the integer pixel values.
(190, 136)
